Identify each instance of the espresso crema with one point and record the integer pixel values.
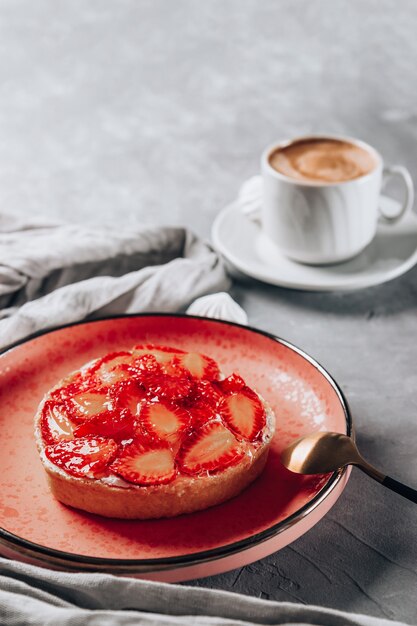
(322, 160)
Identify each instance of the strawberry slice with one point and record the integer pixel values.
(234, 382)
(145, 463)
(198, 365)
(210, 449)
(86, 457)
(114, 367)
(128, 395)
(118, 425)
(63, 393)
(243, 413)
(207, 392)
(55, 425)
(201, 413)
(146, 365)
(163, 420)
(203, 403)
(86, 404)
(166, 387)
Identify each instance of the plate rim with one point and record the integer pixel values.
(362, 282)
(26, 546)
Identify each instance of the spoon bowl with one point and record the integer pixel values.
(320, 453)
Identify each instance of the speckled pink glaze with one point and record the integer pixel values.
(301, 396)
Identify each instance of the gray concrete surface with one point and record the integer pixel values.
(154, 112)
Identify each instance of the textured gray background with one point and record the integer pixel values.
(153, 112)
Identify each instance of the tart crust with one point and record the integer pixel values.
(183, 495)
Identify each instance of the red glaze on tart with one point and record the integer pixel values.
(148, 417)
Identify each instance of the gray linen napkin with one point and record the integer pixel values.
(33, 596)
(58, 274)
(52, 274)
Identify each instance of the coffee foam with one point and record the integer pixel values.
(322, 160)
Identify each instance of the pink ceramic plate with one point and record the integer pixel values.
(271, 513)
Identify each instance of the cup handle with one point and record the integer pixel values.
(403, 173)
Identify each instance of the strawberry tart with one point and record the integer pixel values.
(151, 432)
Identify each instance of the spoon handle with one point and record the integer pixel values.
(387, 481)
(403, 490)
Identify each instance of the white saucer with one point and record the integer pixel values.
(238, 237)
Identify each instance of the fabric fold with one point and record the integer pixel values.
(75, 599)
(60, 274)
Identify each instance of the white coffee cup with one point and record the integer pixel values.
(320, 223)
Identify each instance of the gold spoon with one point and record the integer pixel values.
(323, 452)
